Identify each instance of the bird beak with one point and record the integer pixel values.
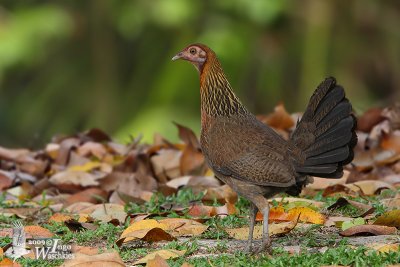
(177, 56)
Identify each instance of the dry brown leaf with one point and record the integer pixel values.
(149, 235)
(92, 149)
(139, 229)
(200, 211)
(90, 195)
(6, 262)
(59, 217)
(391, 141)
(339, 188)
(77, 207)
(85, 250)
(192, 160)
(5, 180)
(322, 183)
(108, 212)
(369, 119)
(107, 259)
(66, 146)
(390, 218)
(22, 213)
(369, 188)
(198, 183)
(223, 194)
(35, 231)
(391, 202)
(274, 229)
(183, 227)
(164, 253)
(368, 229)
(166, 164)
(157, 261)
(80, 178)
(279, 119)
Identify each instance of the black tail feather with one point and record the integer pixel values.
(326, 133)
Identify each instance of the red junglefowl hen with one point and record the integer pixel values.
(251, 157)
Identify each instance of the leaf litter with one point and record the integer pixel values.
(161, 193)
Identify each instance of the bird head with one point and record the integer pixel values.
(197, 54)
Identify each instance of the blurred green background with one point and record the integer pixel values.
(66, 66)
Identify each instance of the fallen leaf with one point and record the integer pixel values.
(89, 195)
(166, 164)
(183, 227)
(164, 253)
(391, 202)
(107, 259)
(35, 231)
(92, 149)
(108, 212)
(279, 119)
(368, 229)
(348, 224)
(140, 229)
(369, 188)
(384, 248)
(192, 160)
(391, 141)
(157, 261)
(77, 207)
(336, 221)
(390, 218)
(307, 202)
(306, 215)
(276, 214)
(338, 188)
(80, 178)
(59, 217)
(223, 194)
(369, 119)
(9, 263)
(85, 250)
(322, 183)
(5, 180)
(274, 229)
(179, 182)
(22, 213)
(200, 211)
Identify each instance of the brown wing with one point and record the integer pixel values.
(246, 149)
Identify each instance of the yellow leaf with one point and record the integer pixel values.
(88, 166)
(306, 215)
(139, 226)
(390, 218)
(274, 229)
(164, 253)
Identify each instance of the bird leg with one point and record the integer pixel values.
(252, 215)
(266, 241)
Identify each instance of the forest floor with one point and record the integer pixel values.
(98, 201)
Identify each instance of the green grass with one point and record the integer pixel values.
(106, 234)
(342, 255)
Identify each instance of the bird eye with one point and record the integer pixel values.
(192, 51)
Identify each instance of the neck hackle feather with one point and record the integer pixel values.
(217, 96)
